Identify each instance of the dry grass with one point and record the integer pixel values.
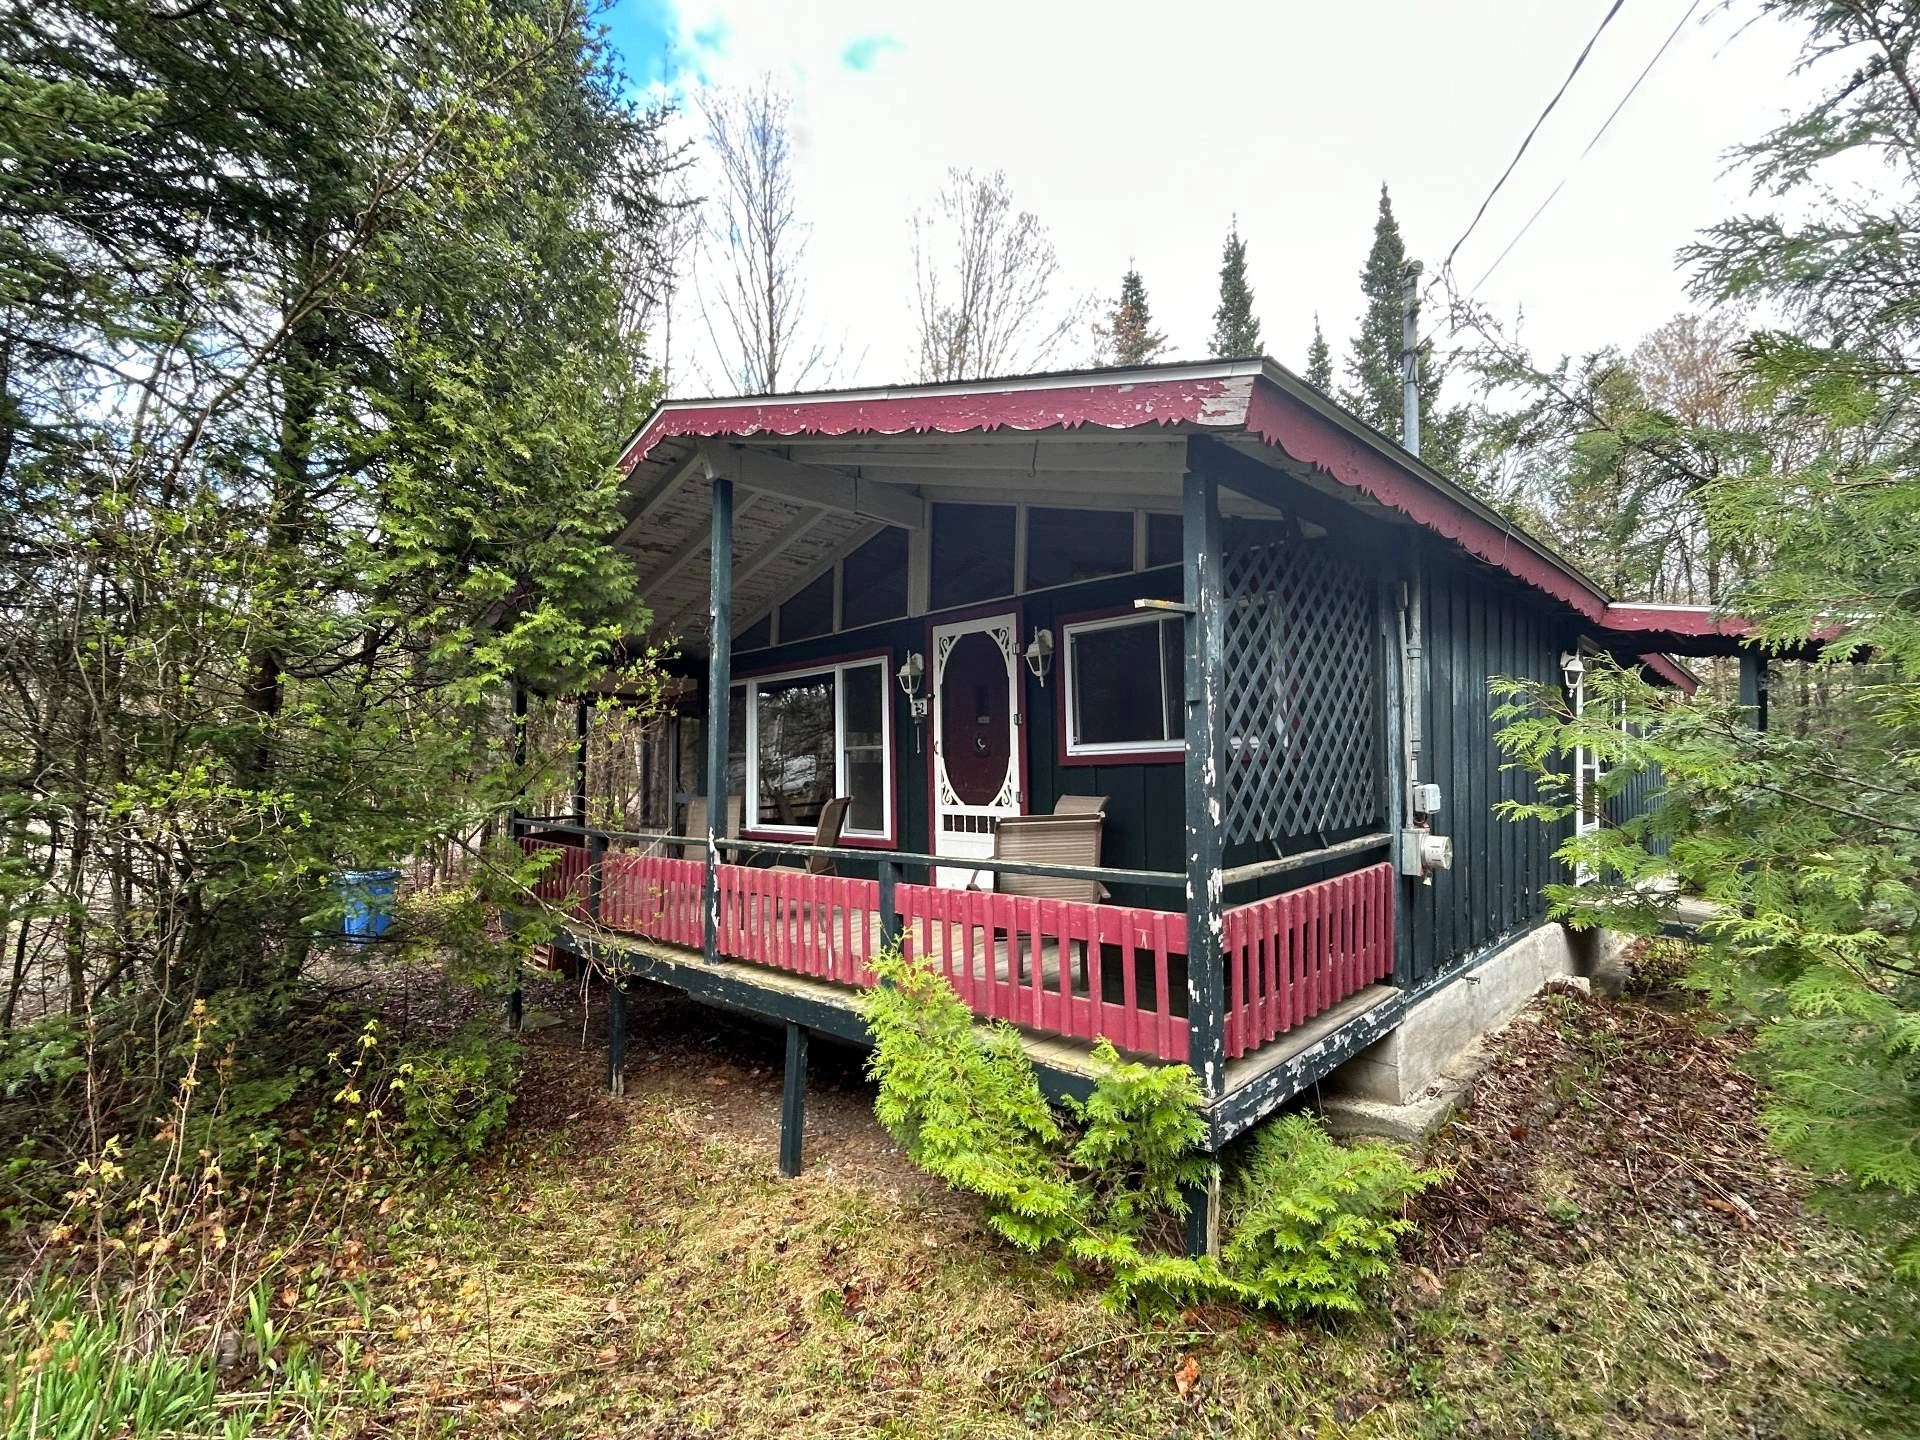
(634, 1268)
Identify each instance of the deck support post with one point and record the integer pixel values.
(793, 1103)
(719, 694)
(1203, 1215)
(1753, 688)
(1205, 659)
(616, 1034)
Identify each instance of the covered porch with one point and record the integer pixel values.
(953, 612)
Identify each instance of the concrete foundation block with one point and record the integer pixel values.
(1431, 1051)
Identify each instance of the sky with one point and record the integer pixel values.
(1140, 133)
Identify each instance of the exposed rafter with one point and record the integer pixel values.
(816, 486)
(663, 490)
(691, 549)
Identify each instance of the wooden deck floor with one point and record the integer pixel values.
(1255, 1083)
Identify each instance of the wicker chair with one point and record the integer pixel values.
(1051, 840)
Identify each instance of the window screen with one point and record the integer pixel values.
(1165, 545)
(874, 580)
(810, 612)
(972, 554)
(1068, 545)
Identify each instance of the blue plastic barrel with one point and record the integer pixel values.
(367, 897)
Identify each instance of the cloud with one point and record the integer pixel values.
(861, 53)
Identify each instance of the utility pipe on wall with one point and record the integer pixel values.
(1410, 357)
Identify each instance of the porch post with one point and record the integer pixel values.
(580, 714)
(516, 990)
(719, 687)
(1753, 688)
(1205, 645)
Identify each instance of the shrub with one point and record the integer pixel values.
(1313, 1222)
(1316, 1221)
(453, 1097)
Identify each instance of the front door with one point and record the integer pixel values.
(976, 748)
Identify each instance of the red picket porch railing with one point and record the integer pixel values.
(819, 925)
(1064, 966)
(1013, 958)
(1291, 956)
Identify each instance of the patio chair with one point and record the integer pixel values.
(1080, 805)
(826, 834)
(1057, 839)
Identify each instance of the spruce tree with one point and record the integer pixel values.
(1373, 368)
(1235, 330)
(1319, 359)
(1128, 336)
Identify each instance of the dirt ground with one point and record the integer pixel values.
(1615, 1253)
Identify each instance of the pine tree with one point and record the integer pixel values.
(1236, 331)
(1128, 336)
(1319, 359)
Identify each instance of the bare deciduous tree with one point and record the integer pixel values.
(985, 276)
(752, 294)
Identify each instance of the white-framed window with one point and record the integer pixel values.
(1125, 691)
(807, 735)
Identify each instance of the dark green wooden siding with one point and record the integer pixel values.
(1478, 625)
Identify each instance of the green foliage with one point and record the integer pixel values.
(966, 1106)
(1320, 359)
(1236, 331)
(1373, 364)
(78, 1366)
(1317, 1221)
(454, 1095)
(1127, 337)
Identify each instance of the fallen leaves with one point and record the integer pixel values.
(1186, 1375)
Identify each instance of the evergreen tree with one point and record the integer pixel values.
(1128, 336)
(1319, 359)
(1236, 331)
(1373, 367)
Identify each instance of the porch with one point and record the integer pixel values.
(1304, 969)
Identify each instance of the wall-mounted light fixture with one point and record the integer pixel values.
(912, 670)
(1572, 667)
(1039, 654)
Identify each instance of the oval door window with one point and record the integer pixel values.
(975, 719)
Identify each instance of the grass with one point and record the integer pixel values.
(635, 1268)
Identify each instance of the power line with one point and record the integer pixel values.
(1446, 266)
(1607, 124)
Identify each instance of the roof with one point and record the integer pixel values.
(1255, 405)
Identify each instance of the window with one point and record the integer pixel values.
(812, 735)
(1068, 545)
(874, 586)
(972, 553)
(1166, 544)
(810, 612)
(1125, 692)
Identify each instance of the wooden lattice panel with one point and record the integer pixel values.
(1301, 711)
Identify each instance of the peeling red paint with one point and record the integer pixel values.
(1674, 620)
(1212, 402)
(1674, 675)
(1313, 440)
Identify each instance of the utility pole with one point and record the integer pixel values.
(1410, 357)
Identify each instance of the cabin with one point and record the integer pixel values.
(1149, 704)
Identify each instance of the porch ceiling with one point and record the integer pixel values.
(803, 501)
